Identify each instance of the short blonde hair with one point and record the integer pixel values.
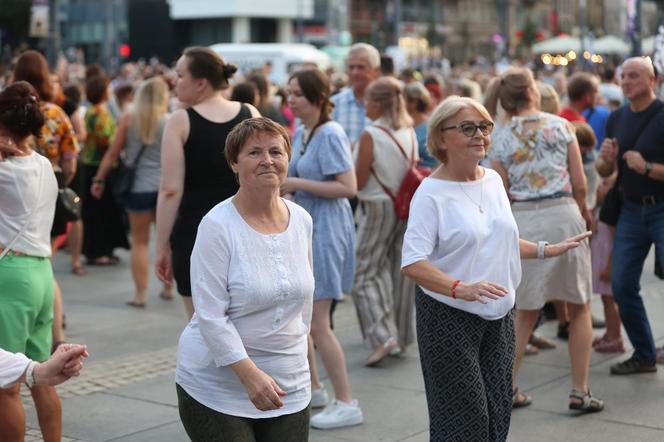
(450, 106)
(549, 101)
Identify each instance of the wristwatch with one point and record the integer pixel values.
(649, 166)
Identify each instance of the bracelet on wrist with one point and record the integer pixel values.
(540, 249)
(455, 284)
(98, 181)
(30, 374)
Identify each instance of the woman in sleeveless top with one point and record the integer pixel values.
(194, 174)
(140, 130)
(384, 298)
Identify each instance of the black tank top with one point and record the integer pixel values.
(208, 178)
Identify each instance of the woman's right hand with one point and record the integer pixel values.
(163, 267)
(263, 391)
(480, 291)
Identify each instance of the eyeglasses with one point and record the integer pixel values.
(468, 128)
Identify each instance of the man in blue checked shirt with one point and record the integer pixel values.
(363, 66)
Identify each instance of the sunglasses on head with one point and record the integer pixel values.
(468, 128)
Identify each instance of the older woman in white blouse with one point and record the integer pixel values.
(462, 248)
(242, 371)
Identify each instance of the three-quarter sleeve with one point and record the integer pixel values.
(210, 266)
(12, 366)
(422, 232)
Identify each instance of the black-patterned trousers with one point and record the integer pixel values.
(467, 366)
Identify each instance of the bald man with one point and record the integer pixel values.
(634, 144)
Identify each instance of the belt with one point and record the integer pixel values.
(12, 253)
(540, 198)
(648, 200)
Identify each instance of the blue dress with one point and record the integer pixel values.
(327, 155)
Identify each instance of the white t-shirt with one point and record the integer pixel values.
(20, 190)
(388, 161)
(253, 295)
(446, 228)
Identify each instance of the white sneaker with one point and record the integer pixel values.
(319, 397)
(338, 414)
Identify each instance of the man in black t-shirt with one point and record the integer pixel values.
(635, 144)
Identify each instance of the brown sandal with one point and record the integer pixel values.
(520, 400)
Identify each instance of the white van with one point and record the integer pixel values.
(286, 58)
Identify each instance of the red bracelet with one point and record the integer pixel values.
(455, 284)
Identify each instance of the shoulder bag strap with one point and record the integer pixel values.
(27, 221)
(138, 157)
(403, 152)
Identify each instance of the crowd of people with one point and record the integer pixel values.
(273, 202)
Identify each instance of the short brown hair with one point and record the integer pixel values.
(32, 67)
(96, 89)
(580, 84)
(207, 64)
(585, 135)
(249, 128)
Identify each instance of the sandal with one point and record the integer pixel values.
(78, 270)
(531, 350)
(520, 400)
(541, 342)
(587, 402)
(136, 304)
(381, 351)
(166, 296)
(606, 345)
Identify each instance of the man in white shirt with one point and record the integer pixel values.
(363, 66)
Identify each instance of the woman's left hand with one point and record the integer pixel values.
(562, 247)
(291, 185)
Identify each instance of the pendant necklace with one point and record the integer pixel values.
(479, 206)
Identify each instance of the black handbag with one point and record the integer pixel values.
(68, 206)
(124, 178)
(613, 201)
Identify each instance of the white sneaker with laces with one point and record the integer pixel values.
(338, 414)
(319, 397)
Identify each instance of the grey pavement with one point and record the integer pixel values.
(127, 393)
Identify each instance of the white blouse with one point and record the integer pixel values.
(12, 366)
(253, 296)
(28, 191)
(446, 228)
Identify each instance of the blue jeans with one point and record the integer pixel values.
(639, 226)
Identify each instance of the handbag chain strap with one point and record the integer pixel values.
(11, 244)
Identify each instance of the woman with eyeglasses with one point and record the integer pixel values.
(538, 158)
(383, 297)
(462, 248)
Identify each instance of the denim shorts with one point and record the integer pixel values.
(141, 202)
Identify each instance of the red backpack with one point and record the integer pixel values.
(411, 181)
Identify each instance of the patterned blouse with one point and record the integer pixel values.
(536, 160)
(58, 140)
(100, 126)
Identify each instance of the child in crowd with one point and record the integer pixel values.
(601, 246)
